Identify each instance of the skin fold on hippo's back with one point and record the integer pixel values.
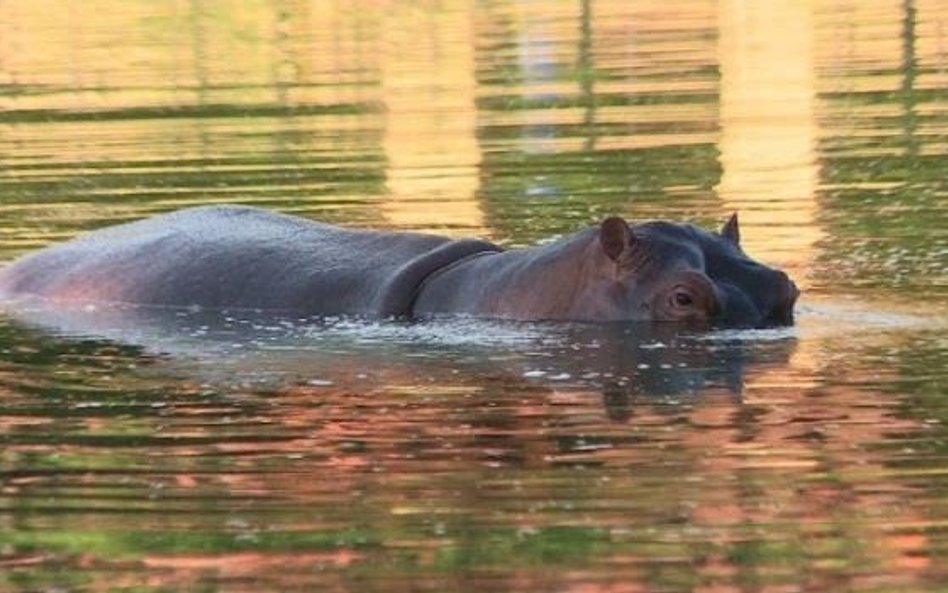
(240, 257)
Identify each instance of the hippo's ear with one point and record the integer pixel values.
(614, 236)
(731, 231)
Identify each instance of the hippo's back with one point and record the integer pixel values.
(231, 256)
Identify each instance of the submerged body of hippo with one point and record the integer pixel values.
(233, 256)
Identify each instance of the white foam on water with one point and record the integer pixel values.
(457, 332)
(774, 334)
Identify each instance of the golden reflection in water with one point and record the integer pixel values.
(769, 129)
(767, 147)
(430, 143)
(680, 63)
(142, 54)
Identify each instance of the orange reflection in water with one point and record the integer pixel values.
(430, 144)
(768, 138)
(769, 129)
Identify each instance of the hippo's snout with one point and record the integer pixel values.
(787, 294)
(740, 308)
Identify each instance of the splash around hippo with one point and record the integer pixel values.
(243, 257)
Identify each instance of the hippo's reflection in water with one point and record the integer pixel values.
(625, 362)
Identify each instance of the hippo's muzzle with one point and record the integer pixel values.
(736, 309)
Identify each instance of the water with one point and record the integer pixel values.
(157, 450)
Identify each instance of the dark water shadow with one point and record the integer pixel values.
(264, 351)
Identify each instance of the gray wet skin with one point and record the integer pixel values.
(655, 271)
(241, 257)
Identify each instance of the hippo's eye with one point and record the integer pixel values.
(682, 298)
(690, 298)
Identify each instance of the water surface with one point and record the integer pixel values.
(159, 450)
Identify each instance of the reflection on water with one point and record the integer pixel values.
(431, 147)
(179, 450)
(769, 129)
(245, 348)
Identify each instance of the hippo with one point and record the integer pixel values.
(232, 257)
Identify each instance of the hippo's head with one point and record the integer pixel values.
(679, 272)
